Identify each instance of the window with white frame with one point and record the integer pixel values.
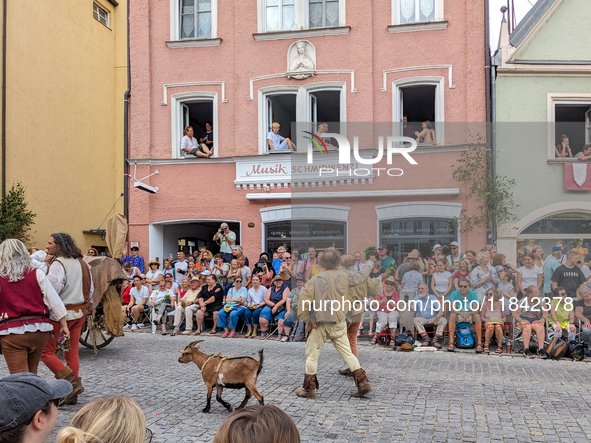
(571, 127)
(280, 15)
(198, 110)
(419, 110)
(321, 108)
(417, 11)
(323, 13)
(100, 14)
(291, 15)
(195, 19)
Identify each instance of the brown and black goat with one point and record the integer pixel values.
(220, 372)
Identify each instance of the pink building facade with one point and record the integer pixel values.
(239, 66)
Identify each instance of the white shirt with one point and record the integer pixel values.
(139, 296)
(189, 143)
(529, 277)
(586, 271)
(183, 266)
(154, 276)
(57, 278)
(359, 267)
(225, 247)
(256, 297)
(159, 296)
(54, 304)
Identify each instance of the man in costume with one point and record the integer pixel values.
(324, 302)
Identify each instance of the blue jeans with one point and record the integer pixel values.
(227, 288)
(234, 314)
(252, 317)
(227, 257)
(268, 314)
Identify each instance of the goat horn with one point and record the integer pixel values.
(193, 343)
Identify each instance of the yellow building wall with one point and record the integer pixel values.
(66, 79)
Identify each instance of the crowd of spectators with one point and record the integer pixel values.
(262, 299)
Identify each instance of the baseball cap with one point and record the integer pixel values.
(382, 247)
(556, 249)
(454, 243)
(23, 395)
(135, 248)
(437, 246)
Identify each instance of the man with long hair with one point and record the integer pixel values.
(70, 277)
(324, 302)
(28, 303)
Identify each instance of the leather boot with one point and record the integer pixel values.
(346, 372)
(362, 383)
(310, 385)
(72, 397)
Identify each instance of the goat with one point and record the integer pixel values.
(221, 372)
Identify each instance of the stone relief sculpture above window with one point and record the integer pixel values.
(301, 59)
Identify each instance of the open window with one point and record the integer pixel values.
(325, 113)
(193, 109)
(572, 121)
(421, 105)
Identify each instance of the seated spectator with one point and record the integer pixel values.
(563, 150)
(583, 312)
(168, 269)
(531, 316)
(206, 141)
(190, 145)
(169, 279)
(255, 302)
(428, 312)
(233, 272)
(260, 424)
(286, 270)
(387, 311)
(187, 305)
(275, 299)
(463, 271)
(237, 251)
(471, 256)
(453, 258)
(284, 324)
(280, 260)
(585, 154)
(507, 291)
(109, 420)
(206, 262)
(29, 407)
(153, 274)
(408, 130)
(233, 309)
(493, 315)
(412, 278)
(484, 276)
(561, 317)
(427, 134)
(220, 269)
(441, 281)
(138, 300)
(500, 262)
(210, 302)
(192, 271)
(328, 141)
(245, 271)
(466, 309)
(277, 142)
(163, 302)
(265, 271)
(129, 270)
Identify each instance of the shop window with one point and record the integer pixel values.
(300, 234)
(417, 11)
(100, 14)
(403, 235)
(572, 123)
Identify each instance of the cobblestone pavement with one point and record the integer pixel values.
(417, 397)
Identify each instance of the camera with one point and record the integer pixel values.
(261, 264)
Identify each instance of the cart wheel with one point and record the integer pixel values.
(102, 340)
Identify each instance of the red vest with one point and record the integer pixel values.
(22, 298)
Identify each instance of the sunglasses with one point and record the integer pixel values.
(389, 284)
(454, 247)
(464, 286)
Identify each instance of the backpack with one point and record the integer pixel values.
(576, 350)
(402, 339)
(463, 336)
(556, 348)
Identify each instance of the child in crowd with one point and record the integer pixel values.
(493, 314)
(507, 291)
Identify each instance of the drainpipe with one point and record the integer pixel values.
(4, 10)
(489, 95)
(126, 129)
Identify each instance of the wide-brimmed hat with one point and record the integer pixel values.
(437, 246)
(391, 280)
(413, 255)
(154, 262)
(196, 279)
(277, 277)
